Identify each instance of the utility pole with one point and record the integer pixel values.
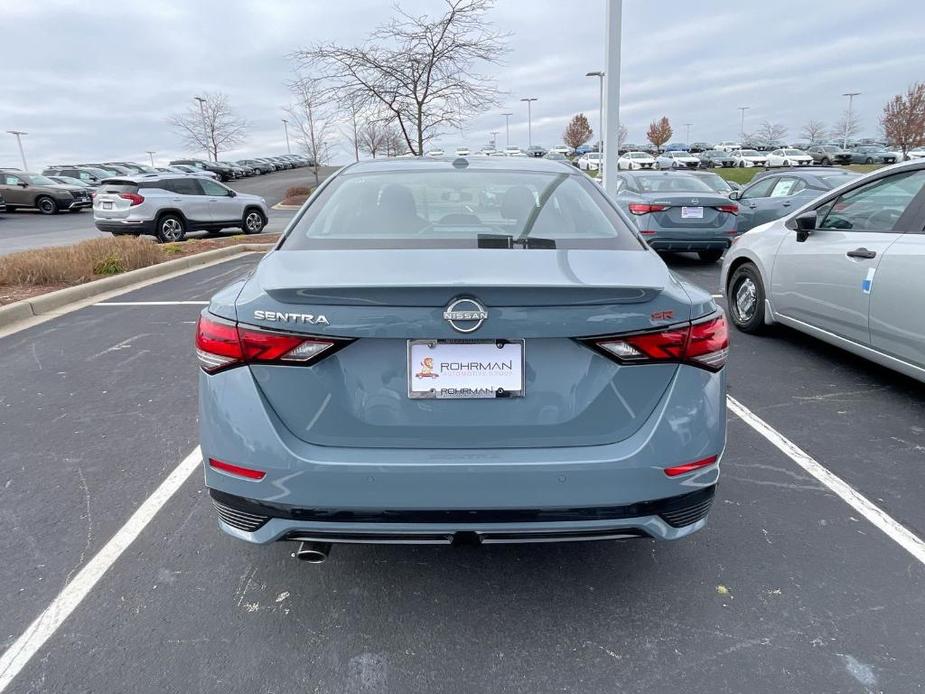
(687, 139)
(600, 108)
(529, 100)
(22, 154)
(151, 154)
(614, 23)
(743, 109)
(286, 130)
(850, 95)
(205, 128)
(507, 128)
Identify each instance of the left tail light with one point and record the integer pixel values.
(223, 344)
(704, 344)
(134, 198)
(729, 209)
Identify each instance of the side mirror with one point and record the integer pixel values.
(804, 224)
(735, 194)
(231, 193)
(23, 184)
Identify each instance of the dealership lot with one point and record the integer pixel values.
(788, 589)
(26, 229)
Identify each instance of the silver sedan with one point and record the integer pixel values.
(846, 268)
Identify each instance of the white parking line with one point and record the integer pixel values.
(152, 303)
(34, 637)
(895, 530)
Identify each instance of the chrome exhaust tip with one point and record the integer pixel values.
(312, 552)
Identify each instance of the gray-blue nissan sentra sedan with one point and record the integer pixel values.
(444, 351)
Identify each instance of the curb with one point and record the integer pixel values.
(56, 300)
(281, 206)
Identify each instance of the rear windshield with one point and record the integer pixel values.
(461, 209)
(668, 183)
(116, 186)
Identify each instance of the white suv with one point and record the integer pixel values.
(168, 206)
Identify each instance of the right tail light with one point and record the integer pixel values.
(702, 343)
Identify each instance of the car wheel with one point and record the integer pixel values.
(710, 256)
(868, 161)
(253, 222)
(746, 299)
(170, 228)
(742, 164)
(825, 162)
(46, 205)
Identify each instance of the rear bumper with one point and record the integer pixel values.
(348, 494)
(717, 243)
(128, 226)
(261, 522)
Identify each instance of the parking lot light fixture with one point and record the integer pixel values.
(613, 20)
(687, 137)
(22, 154)
(507, 128)
(205, 129)
(151, 154)
(286, 130)
(850, 95)
(743, 109)
(529, 100)
(600, 107)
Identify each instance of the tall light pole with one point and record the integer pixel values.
(205, 129)
(151, 154)
(494, 138)
(600, 108)
(743, 109)
(286, 130)
(850, 95)
(507, 128)
(22, 154)
(687, 138)
(613, 20)
(529, 100)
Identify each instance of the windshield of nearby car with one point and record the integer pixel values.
(717, 183)
(793, 152)
(834, 180)
(461, 209)
(749, 153)
(39, 180)
(668, 183)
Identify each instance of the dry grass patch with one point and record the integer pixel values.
(79, 263)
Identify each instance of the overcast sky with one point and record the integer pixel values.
(96, 81)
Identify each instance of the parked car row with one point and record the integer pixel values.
(230, 170)
(22, 189)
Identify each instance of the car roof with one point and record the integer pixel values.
(528, 164)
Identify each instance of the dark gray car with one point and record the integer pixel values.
(716, 158)
(872, 154)
(828, 154)
(773, 194)
(677, 211)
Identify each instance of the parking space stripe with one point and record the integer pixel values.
(895, 530)
(18, 655)
(152, 303)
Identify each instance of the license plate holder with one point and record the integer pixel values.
(497, 369)
(691, 213)
(106, 205)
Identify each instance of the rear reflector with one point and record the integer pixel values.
(704, 344)
(236, 470)
(646, 208)
(730, 209)
(689, 467)
(221, 344)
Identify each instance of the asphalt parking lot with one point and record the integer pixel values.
(789, 588)
(25, 229)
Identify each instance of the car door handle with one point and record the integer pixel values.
(861, 253)
(176, 200)
(785, 204)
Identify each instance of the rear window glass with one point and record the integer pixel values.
(667, 183)
(117, 186)
(461, 209)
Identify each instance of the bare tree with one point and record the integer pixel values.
(312, 116)
(659, 132)
(211, 124)
(846, 127)
(814, 131)
(578, 131)
(393, 141)
(353, 135)
(622, 134)
(422, 70)
(903, 118)
(769, 133)
(373, 134)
